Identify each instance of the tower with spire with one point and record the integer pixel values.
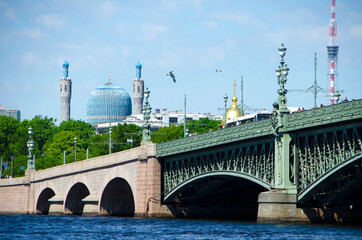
(332, 50)
(138, 91)
(65, 93)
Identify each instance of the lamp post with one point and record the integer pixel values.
(30, 145)
(225, 100)
(75, 149)
(110, 140)
(146, 132)
(282, 73)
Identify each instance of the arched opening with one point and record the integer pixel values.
(217, 196)
(73, 203)
(43, 204)
(117, 199)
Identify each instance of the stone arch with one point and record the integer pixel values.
(77, 189)
(46, 191)
(117, 199)
(122, 178)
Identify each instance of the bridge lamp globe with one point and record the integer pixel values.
(282, 50)
(285, 70)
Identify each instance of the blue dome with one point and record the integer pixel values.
(108, 103)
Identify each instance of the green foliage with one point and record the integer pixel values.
(8, 129)
(165, 134)
(202, 125)
(122, 133)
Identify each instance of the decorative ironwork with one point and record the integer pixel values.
(215, 138)
(146, 132)
(319, 153)
(30, 145)
(256, 160)
(325, 115)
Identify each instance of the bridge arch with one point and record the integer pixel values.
(117, 199)
(45, 192)
(119, 179)
(250, 178)
(224, 194)
(77, 189)
(350, 169)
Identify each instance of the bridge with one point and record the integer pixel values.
(302, 166)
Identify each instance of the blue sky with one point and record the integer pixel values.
(191, 37)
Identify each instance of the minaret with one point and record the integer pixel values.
(65, 94)
(138, 91)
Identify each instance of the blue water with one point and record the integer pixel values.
(71, 227)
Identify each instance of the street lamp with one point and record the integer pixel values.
(75, 149)
(110, 140)
(225, 100)
(282, 73)
(30, 145)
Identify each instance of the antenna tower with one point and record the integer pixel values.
(332, 50)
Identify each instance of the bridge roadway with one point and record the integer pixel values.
(309, 169)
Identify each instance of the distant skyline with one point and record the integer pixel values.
(192, 37)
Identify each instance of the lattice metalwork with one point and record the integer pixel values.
(319, 153)
(254, 160)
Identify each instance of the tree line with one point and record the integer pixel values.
(51, 142)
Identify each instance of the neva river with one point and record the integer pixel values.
(87, 228)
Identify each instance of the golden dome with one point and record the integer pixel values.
(234, 111)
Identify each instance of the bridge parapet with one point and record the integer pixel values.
(324, 115)
(215, 138)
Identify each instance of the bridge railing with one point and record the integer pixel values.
(324, 115)
(214, 138)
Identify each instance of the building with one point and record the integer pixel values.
(10, 112)
(65, 94)
(108, 103)
(161, 119)
(138, 91)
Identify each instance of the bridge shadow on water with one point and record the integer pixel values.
(217, 197)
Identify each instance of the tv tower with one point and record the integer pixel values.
(332, 50)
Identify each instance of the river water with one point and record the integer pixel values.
(87, 228)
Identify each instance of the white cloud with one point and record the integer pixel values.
(125, 50)
(29, 59)
(211, 24)
(243, 19)
(151, 31)
(107, 9)
(33, 33)
(9, 14)
(356, 32)
(52, 20)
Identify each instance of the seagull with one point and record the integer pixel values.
(218, 70)
(172, 75)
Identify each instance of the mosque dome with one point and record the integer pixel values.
(108, 103)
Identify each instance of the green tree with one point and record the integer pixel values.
(8, 129)
(165, 134)
(122, 133)
(203, 125)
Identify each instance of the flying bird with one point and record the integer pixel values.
(218, 70)
(172, 75)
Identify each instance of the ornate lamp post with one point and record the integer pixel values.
(110, 140)
(146, 132)
(225, 100)
(30, 145)
(282, 138)
(75, 149)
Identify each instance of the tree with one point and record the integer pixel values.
(167, 134)
(203, 125)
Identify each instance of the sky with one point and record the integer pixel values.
(191, 37)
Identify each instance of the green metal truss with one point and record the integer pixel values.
(252, 160)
